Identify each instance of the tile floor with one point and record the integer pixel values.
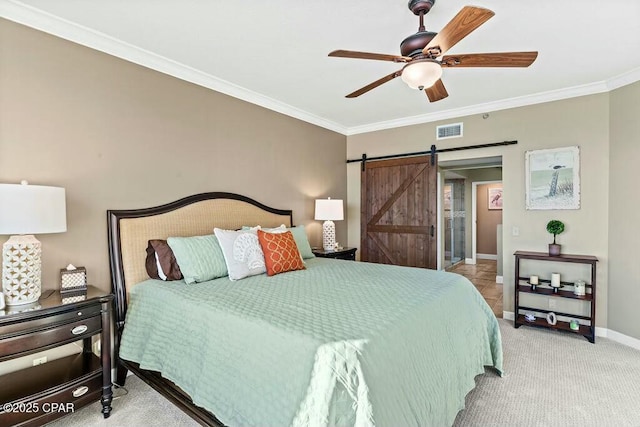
(483, 276)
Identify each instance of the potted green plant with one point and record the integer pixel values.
(554, 227)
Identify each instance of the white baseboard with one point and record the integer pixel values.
(622, 338)
(469, 261)
(600, 332)
(499, 279)
(487, 256)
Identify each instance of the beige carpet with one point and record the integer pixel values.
(552, 379)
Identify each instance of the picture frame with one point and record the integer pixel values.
(552, 178)
(495, 198)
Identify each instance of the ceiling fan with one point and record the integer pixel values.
(420, 51)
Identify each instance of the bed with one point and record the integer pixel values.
(338, 343)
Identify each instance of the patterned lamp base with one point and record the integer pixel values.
(328, 236)
(21, 270)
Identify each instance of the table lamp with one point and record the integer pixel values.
(26, 210)
(329, 210)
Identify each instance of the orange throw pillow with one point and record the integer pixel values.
(280, 252)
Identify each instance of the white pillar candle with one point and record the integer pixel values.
(555, 280)
(533, 280)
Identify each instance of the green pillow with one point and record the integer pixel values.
(200, 258)
(302, 242)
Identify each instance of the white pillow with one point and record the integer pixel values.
(242, 252)
(299, 235)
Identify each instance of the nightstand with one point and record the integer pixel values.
(39, 394)
(348, 254)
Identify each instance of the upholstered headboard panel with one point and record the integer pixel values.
(193, 220)
(130, 230)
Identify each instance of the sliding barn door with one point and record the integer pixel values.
(398, 218)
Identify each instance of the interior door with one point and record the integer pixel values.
(398, 217)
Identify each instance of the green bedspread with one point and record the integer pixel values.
(341, 343)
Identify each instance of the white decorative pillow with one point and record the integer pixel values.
(299, 234)
(242, 253)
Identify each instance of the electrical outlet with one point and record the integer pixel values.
(39, 360)
(515, 230)
(552, 303)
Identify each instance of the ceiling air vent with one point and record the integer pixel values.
(453, 130)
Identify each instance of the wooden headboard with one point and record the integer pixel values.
(130, 230)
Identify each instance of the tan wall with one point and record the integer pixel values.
(117, 135)
(624, 205)
(580, 121)
(487, 221)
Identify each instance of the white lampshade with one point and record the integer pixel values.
(26, 210)
(329, 210)
(32, 209)
(422, 73)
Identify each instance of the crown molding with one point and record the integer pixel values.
(48, 23)
(504, 104)
(624, 79)
(522, 101)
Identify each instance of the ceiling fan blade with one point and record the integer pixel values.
(467, 20)
(369, 55)
(504, 59)
(374, 85)
(436, 92)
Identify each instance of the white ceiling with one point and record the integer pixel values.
(274, 53)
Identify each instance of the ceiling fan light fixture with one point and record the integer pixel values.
(422, 73)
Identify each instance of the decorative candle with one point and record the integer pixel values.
(533, 280)
(579, 287)
(555, 280)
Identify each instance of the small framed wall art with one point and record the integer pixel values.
(495, 198)
(552, 179)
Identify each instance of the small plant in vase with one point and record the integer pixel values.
(554, 227)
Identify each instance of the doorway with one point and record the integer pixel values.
(459, 217)
(486, 219)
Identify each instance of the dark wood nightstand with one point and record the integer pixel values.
(348, 254)
(42, 393)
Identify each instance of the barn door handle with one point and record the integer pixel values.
(432, 230)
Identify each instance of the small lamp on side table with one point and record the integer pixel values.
(26, 210)
(329, 210)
